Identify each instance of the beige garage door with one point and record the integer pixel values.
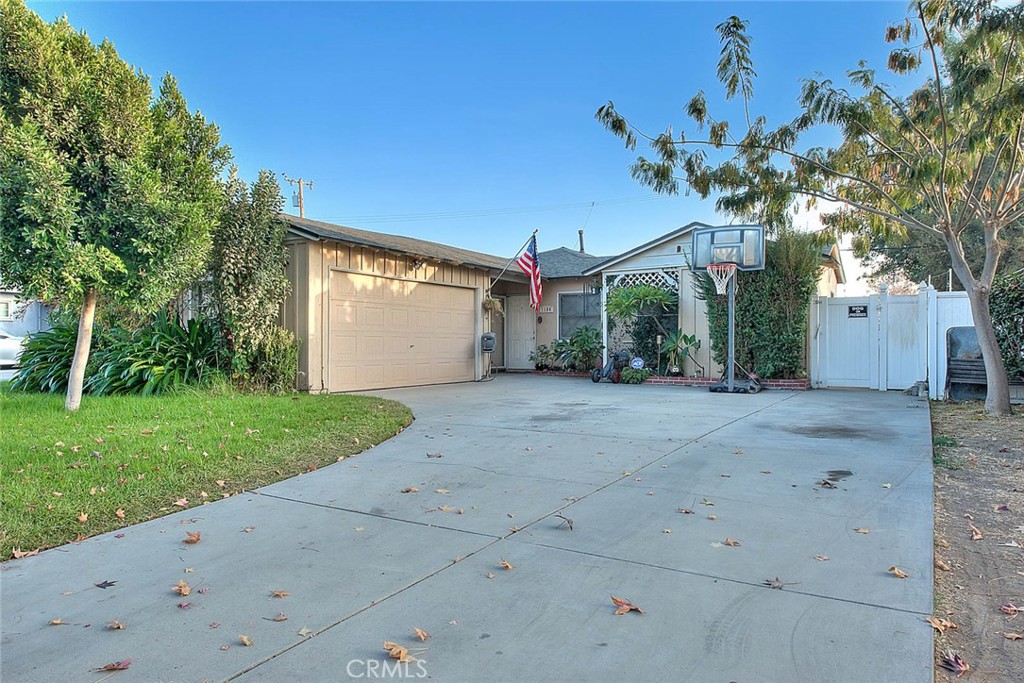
(398, 333)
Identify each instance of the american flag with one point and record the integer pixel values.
(530, 265)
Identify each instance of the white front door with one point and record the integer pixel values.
(522, 333)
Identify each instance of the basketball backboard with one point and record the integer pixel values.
(739, 244)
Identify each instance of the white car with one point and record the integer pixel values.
(10, 350)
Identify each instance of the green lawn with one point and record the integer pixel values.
(65, 476)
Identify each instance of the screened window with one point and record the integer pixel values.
(577, 310)
(5, 310)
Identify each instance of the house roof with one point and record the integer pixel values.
(598, 267)
(317, 230)
(832, 258)
(564, 262)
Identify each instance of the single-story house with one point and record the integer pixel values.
(373, 310)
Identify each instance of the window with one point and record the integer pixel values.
(577, 310)
(6, 310)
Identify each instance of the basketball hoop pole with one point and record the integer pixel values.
(730, 370)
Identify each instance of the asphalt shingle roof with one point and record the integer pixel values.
(564, 262)
(397, 243)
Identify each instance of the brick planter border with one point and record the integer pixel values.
(784, 384)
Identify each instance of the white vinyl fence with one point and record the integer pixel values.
(884, 342)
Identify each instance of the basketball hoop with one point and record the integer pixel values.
(720, 273)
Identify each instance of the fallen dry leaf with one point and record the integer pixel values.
(707, 502)
(305, 631)
(766, 471)
(861, 530)
(245, 640)
(280, 616)
(489, 575)
(775, 583)
(505, 564)
(955, 663)
(624, 607)
(666, 531)
(1009, 635)
(942, 543)
(731, 542)
(396, 651)
(105, 584)
(976, 534)
(115, 626)
(181, 502)
(119, 513)
(897, 572)
(279, 594)
(940, 624)
(57, 622)
(685, 511)
(115, 666)
(182, 588)
(420, 633)
(410, 489)
(1001, 508)
(248, 529)
(941, 564)
(225, 648)
(220, 482)
(18, 553)
(184, 605)
(712, 517)
(82, 517)
(821, 558)
(192, 537)
(214, 624)
(442, 491)
(1010, 608)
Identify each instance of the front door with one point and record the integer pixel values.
(522, 333)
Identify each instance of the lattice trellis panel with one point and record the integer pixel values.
(657, 278)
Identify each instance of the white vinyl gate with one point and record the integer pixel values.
(884, 342)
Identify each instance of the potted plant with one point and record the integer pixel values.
(493, 305)
(676, 347)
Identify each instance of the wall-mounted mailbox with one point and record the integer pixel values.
(487, 342)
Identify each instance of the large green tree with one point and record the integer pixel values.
(107, 193)
(947, 156)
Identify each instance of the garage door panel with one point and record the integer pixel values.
(387, 332)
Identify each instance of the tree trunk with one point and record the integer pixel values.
(82, 346)
(997, 397)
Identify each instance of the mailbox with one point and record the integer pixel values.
(487, 342)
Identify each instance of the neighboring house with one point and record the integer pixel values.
(20, 318)
(373, 310)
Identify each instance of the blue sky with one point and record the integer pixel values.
(472, 123)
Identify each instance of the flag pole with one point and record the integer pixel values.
(511, 261)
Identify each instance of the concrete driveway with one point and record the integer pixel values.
(494, 463)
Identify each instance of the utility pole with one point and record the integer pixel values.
(300, 182)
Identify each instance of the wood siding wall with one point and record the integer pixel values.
(306, 310)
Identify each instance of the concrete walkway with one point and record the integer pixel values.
(363, 562)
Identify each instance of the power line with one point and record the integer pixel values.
(483, 213)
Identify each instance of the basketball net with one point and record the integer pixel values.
(720, 273)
